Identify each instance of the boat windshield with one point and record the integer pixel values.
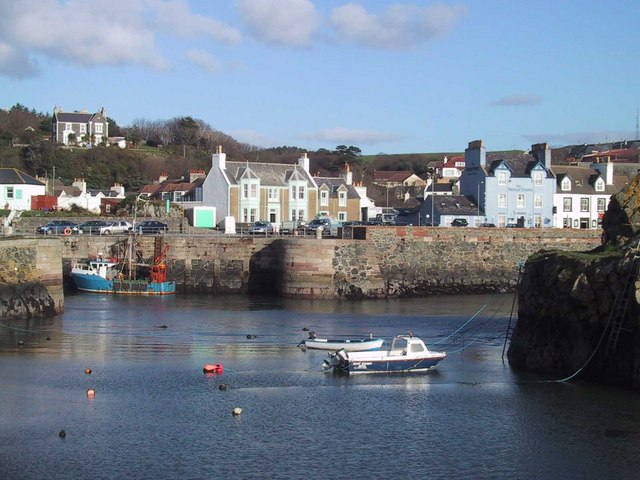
(399, 343)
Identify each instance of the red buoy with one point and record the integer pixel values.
(210, 368)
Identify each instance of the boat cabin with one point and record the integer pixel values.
(404, 344)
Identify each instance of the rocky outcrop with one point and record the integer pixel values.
(25, 300)
(579, 313)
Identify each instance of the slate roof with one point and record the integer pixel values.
(583, 180)
(520, 164)
(13, 176)
(74, 117)
(270, 174)
(392, 176)
(333, 183)
(455, 205)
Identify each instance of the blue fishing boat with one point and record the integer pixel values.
(407, 354)
(109, 275)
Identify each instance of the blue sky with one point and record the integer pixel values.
(387, 77)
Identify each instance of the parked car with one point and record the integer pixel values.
(459, 222)
(116, 227)
(58, 227)
(511, 225)
(313, 225)
(487, 225)
(91, 227)
(261, 227)
(151, 227)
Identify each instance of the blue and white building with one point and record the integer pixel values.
(510, 188)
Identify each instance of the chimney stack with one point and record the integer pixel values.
(303, 162)
(542, 153)
(219, 159)
(475, 156)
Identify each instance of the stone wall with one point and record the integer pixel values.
(390, 262)
(30, 278)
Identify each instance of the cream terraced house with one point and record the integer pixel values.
(250, 191)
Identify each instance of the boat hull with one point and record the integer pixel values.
(388, 365)
(97, 284)
(350, 345)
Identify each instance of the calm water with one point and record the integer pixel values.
(156, 415)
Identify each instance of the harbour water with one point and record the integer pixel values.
(156, 415)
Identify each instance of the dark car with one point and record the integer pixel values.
(459, 222)
(486, 225)
(316, 223)
(58, 227)
(151, 227)
(511, 225)
(91, 227)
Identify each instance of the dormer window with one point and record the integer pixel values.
(599, 185)
(537, 179)
(324, 198)
(565, 185)
(342, 199)
(502, 178)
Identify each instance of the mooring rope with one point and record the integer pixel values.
(461, 327)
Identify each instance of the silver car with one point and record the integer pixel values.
(117, 227)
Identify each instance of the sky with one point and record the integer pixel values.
(385, 76)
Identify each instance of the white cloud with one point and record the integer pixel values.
(97, 32)
(175, 16)
(400, 26)
(15, 64)
(347, 136)
(518, 100)
(205, 60)
(280, 22)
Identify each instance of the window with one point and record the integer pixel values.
(9, 193)
(297, 214)
(567, 204)
(520, 200)
(297, 192)
(254, 190)
(324, 198)
(342, 216)
(537, 221)
(342, 199)
(273, 194)
(599, 185)
(502, 220)
(253, 217)
(502, 200)
(68, 126)
(537, 179)
(565, 185)
(98, 127)
(245, 215)
(301, 192)
(602, 204)
(537, 201)
(83, 128)
(107, 208)
(245, 190)
(502, 178)
(584, 204)
(178, 197)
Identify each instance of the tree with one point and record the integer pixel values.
(134, 135)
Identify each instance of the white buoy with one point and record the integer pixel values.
(237, 411)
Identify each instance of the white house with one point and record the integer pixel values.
(89, 199)
(17, 188)
(582, 194)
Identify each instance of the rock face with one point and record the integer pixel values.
(571, 305)
(25, 300)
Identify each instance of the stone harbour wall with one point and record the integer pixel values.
(389, 262)
(31, 282)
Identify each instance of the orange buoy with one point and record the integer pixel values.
(210, 368)
(91, 393)
(87, 371)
